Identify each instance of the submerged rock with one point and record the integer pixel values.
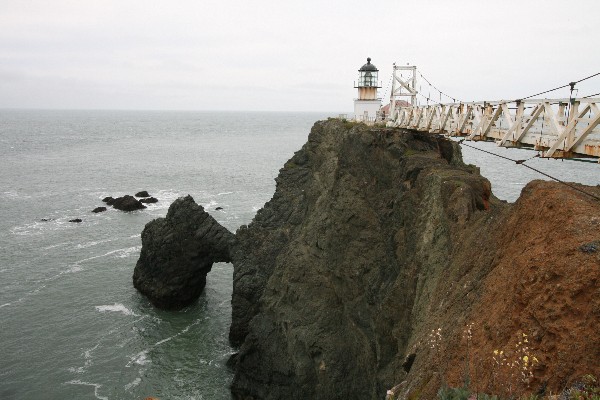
(99, 209)
(76, 220)
(143, 193)
(127, 203)
(177, 253)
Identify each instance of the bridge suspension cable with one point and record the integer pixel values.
(570, 84)
(387, 86)
(522, 162)
(454, 99)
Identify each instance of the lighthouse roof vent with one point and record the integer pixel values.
(368, 66)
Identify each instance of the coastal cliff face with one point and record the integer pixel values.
(377, 237)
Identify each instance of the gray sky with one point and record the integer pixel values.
(277, 55)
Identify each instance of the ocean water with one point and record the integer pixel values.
(71, 324)
(508, 178)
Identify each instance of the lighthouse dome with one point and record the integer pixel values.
(368, 66)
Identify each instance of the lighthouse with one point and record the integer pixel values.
(366, 106)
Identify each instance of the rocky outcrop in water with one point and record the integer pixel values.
(127, 203)
(143, 193)
(177, 253)
(149, 200)
(377, 237)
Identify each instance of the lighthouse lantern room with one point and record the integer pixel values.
(367, 105)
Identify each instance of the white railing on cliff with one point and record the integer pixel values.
(559, 128)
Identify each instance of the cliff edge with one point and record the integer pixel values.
(382, 259)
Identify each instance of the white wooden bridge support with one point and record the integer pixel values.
(559, 128)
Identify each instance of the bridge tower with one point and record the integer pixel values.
(403, 87)
(366, 106)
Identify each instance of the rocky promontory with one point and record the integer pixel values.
(383, 261)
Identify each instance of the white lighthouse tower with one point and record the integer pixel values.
(366, 106)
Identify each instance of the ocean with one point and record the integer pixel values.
(71, 324)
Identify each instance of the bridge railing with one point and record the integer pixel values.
(559, 128)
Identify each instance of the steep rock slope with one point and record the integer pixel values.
(352, 259)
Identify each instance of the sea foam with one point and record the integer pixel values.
(117, 307)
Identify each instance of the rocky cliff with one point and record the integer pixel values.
(382, 259)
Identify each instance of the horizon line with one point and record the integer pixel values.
(164, 110)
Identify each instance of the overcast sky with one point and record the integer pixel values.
(277, 55)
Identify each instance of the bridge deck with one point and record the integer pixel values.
(560, 128)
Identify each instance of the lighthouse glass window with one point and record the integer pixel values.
(367, 78)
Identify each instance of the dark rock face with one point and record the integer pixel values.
(76, 220)
(149, 200)
(376, 238)
(99, 209)
(109, 200)
(334, 274)
(127, 203)
(177, 253)
(143, 193)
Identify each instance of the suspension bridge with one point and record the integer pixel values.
(556, 127)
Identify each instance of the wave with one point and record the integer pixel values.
(93, 243)
(210, 204)
(13, 195)
(141, 358)
(124, 253)
(52, 224)
(96, 386)
(87, 355)
(74, 268)
(133, 384)
(53, 246)
(117, 307)
(165, 198)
